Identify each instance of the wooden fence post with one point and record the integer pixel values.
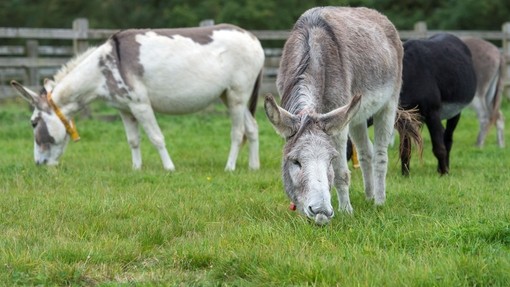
(32, 47)
(506, 56)
(80, 43)
(421, 29)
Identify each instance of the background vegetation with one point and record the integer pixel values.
(250, 14)
(93, 221)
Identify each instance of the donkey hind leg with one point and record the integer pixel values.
(500, 128)
(484, 124)
(451, 124)
(493, 113)
(384, 122)
(145, 116)
(496, 114)
(252, 133)
(133, 137)
(236, 108)
(342, 174)
(436, 131)
(483, 115)
(359, 136)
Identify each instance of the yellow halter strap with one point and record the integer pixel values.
(69, 125)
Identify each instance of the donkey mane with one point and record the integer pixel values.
(307, 122)
(69, 66)
(293, 90)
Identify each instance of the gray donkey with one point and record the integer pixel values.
(488, 62)
(340, 66)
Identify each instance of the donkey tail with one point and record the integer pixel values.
(252, 104)
(408, 125)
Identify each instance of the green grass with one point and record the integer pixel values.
(93, 221)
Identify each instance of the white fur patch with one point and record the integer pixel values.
(183, 76)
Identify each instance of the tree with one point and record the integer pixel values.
(249, 14)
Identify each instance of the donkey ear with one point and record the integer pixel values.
(26, 93)
(49, 84)
(336, 120)
(285, 123)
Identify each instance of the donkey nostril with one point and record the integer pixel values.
(326, 212)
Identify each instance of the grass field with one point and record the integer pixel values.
(93, 221)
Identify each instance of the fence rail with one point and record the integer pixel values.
(30, 63)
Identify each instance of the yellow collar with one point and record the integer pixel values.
(70, 126)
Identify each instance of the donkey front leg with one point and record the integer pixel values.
(145, 116)
(133, 137)
(360, 138)
(383, 132)
(342, 174)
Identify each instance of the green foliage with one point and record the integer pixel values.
(93, 221)
(250, 14)
(468, 14)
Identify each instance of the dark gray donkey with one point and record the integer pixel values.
(340, 66)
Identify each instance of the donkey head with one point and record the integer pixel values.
(50, 136)
(308, 155)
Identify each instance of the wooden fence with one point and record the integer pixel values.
(33, 62)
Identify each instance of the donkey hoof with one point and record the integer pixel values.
(170, 168)
(255, 167)
(379, 201)
(443, 172)
(347, 208)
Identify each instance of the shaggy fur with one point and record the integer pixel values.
(339, 67)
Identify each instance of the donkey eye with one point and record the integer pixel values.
(34, 124)
(296, 163)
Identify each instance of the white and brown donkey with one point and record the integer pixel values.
(139, 72)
